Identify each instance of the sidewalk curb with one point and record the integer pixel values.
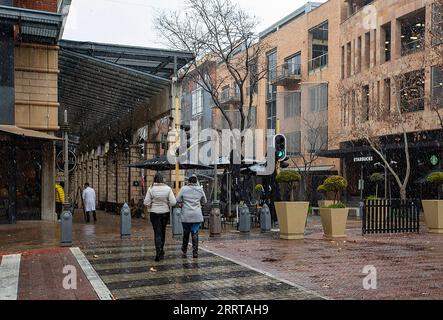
(99, 286)
(268, 274)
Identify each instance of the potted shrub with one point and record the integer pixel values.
(324, 203)
(334, 217)
(433, 209)
(292, 215)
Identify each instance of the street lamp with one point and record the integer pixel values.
(66, 217)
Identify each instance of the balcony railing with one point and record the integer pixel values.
(230, 97)
(319, 62)
(288, 73)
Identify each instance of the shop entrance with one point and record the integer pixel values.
(29, 183)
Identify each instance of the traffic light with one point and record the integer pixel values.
(187, 130)
(280, 147)
(284, 164)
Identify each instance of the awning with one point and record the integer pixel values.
(102, 83)
(34, 25)
(27, 133)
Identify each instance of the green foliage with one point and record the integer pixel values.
(335, 184)
(322, 189)
(288, 176)
(436, 178)
(338, 205)
(377, 178)
(373, 198)
(259, 188)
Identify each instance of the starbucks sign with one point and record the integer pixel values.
(434, 160)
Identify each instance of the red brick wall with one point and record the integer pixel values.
(43, 5)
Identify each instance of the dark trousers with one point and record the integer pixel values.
(159, 222)
(190, 230)
(88, 216)
(58, 209)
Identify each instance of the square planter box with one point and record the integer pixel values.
(433, 212)
(292, 218)
(334, 222)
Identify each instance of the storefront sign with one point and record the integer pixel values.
(364, 159)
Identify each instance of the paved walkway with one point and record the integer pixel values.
(408, 266)
(126, 267)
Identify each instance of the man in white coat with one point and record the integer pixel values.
(89, 199)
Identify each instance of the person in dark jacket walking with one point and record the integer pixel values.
(191, 196)
(159, 199)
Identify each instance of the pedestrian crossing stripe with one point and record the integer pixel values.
(9, 277)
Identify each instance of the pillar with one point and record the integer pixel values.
(48, 182)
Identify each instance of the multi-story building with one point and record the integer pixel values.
(387, 68)
(29, 32)
(368, 47)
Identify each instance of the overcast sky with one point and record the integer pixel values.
(130, 22)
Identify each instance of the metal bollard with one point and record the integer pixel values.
(245, 220)
(215, 221)
(265, 219)
(176, 222)
(66, 227)
(125, 222)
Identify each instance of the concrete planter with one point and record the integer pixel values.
(433, 210)
(334, 222)
(292, 219)
(325, 203)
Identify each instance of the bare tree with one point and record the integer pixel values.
(314, 126)
(369, 120)
(222, 37)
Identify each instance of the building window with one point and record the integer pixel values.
(437, 24)
(271, 92)
(253, 78)
(386, 29)
(292, 105)
(293, 143)
(387, 95)
(272, 70)
(412, 88)
(293, 64)
(319, 47)
(343, 57)
(271, 115)
(318, 139)
(412, 32)
(365, 103)
(356, 5)
(348, 59)
(374, 51)
(437, 86)
(358, 56)
(197, 102)
(318, 96)
(367, 55)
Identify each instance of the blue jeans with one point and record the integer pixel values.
(190, 229)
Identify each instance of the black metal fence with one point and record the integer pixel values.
(391, 216)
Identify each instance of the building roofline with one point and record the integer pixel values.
(306, 8)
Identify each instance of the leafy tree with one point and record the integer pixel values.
(334, 184)
(437, 178)
(376, 179)
(290, 178)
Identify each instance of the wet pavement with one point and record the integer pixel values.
(252, 266)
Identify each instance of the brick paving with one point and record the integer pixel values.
(408, 266)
